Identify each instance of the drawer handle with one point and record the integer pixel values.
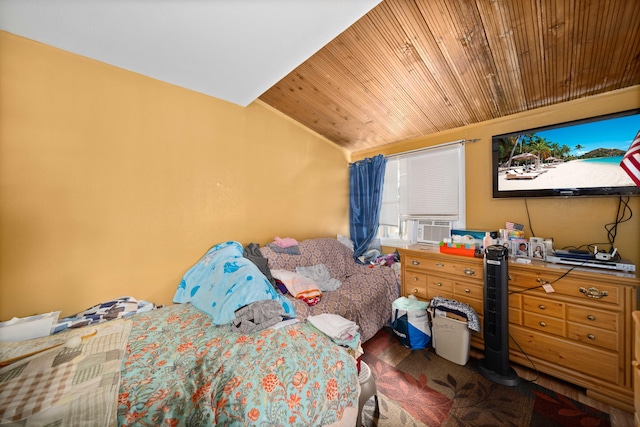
(543, 324)
(593, 292)
(591, 317)
(415, 262)
(438, 284)
(415, 291)
(439, 264)
(469, 271)
(542, 306)
(541, 281)
(467, 290)
(591, 337)
(415, 278)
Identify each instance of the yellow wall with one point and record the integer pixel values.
(570, 222)
(113, 184)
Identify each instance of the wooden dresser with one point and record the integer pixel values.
(582, 332)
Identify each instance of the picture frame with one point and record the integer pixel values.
(520, 248)
(507, 244)
(537, 250)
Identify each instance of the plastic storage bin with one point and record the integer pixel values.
(451, 339)
(458, 249)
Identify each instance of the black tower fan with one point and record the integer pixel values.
(495, 365)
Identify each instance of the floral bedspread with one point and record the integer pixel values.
(180, 369)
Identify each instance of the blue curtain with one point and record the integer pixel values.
(366, 178)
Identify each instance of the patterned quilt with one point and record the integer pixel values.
(64, 386)
(179, 369)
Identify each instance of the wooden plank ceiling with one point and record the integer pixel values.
(411, 68)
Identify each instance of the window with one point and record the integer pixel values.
(418, 185)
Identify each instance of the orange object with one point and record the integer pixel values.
(457, 249)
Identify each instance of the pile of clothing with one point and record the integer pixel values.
(299, 286)
(287, 245)
(260, 315)
(342, 331)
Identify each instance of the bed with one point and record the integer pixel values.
(186, 364)
(171, 366)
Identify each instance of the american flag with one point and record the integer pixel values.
(631, 161)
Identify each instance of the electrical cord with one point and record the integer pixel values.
(621, 216)
(525, 290)
(526, 208)
(548, 283)
(533, 365)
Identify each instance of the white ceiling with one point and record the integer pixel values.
(230, 49)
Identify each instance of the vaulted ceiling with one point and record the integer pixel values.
(411, 68)
(404, 69)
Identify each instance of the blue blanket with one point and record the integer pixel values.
(223, 281)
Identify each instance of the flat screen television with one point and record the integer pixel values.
(571, 159)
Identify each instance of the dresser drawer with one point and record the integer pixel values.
(515, 316)
(543, 306)
(593, 317)
(416, 284)
(589, 360)
(515, 301)
(594, 336)
(468, 290)
(591, 292)
(549, 325)
(445, 266)
(515, 306)
(437, 284)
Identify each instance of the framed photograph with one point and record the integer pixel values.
(520, 248)
(507, 244)
(537, 250)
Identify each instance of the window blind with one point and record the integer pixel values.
(425, 183)
(432, 182)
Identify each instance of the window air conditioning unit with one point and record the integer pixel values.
(433, 231)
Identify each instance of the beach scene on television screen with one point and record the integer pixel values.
(585, 155)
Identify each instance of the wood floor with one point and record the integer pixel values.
(619, 418)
